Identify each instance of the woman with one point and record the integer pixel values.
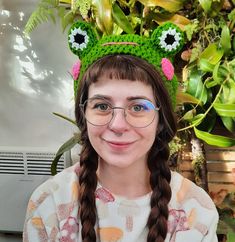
(122, 189)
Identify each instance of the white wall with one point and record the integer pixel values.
(34, 80)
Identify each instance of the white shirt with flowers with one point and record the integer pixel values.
(52, 213)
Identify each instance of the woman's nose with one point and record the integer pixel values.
(118, 121)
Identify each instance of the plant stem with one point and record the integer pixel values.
(66, 118)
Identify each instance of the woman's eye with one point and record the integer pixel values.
(101, 106)
(142, 106)
(137, 108)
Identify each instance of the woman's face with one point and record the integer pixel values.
(118, 143)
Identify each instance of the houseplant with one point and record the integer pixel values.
(206, 67)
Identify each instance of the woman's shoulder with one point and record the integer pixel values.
(194, 208)
(184, 191)
(53, 207)
(59, 193)
(58, 183)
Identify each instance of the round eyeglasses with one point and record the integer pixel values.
(139, 113)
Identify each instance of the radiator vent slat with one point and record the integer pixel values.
(28, 163)
(11, 172)
(5, 164)
(11, 163)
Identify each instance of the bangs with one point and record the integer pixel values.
(120, 67)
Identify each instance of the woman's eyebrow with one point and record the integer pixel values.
(130, 98)
(101, 96)
(138, 97)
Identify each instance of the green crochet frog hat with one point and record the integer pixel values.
(165, 41)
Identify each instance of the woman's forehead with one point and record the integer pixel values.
(115, 88)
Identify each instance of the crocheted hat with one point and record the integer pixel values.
(165, 41)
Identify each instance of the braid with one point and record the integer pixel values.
(88, 183)
(159, 180)
(160, 174)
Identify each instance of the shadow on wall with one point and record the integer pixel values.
(34, 80)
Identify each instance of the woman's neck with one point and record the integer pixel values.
(129, 182)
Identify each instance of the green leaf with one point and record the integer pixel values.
(216, 140)
(183, 97)
(65, 1)
(231, 15)
(220, 72)
(216, 79)
(228, 94)
(68, 145)
(103, 15)
(212, 54)
(191, 28)
(198, 119)
(188, 115)
(195, 86)
(231, 236)
(233, 44)
(229, 123)
(179, 20)
(66, 118)
(40, 15)
(61, 11)
(225, 40)
(44, 12)
(211, 83)
(206, 5)
(226, 225)
(121, 20)
(169, 5)
(208, 122)
(205, 65)
(67, 19)
(224, 109)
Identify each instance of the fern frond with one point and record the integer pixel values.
(42, 13)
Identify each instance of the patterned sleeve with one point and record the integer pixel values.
(41, 220)
(35, 230)
(52, 210)
(193, 216)
(211, 235)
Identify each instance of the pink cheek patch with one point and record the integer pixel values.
(167, 68)
(76, 70)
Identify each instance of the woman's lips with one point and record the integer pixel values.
(117, 144)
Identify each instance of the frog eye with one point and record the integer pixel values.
(169, 38)
(81, 38)
(78, 39)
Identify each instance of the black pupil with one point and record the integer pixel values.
(79, 38)
(170, 39)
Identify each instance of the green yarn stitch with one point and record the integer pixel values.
(149, 49)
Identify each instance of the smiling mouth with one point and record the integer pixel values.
(119, 144)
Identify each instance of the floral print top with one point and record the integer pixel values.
(52, 213)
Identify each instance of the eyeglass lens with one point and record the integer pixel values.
(138, 112)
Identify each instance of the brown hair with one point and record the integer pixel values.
(131, 68)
